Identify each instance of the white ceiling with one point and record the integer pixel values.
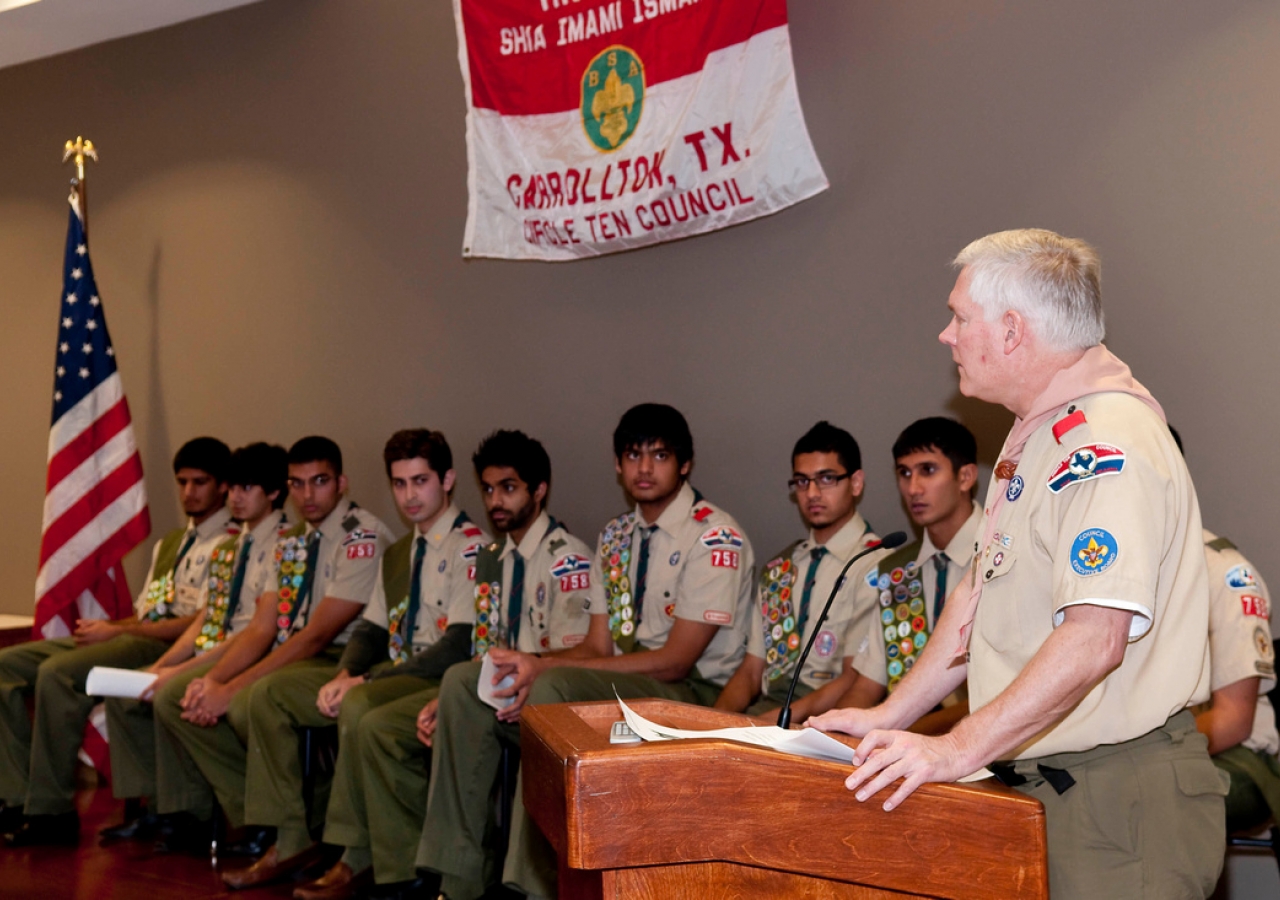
(48, 27)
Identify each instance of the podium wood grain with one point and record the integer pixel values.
(712, 819)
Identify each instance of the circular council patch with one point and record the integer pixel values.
(612, 97)
(1094, 551)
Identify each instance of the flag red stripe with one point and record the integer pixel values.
(87, 443)
(549, 81)
(83, 576)
(88, 507)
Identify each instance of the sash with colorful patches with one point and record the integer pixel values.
(397, 565)
(615, 563)
(490, 630)
(291, 569)
(162, 587)
(781, 642)
(222, 567)
(903, 617)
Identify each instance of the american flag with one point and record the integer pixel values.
(95, 506)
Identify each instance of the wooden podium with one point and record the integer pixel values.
(714, 819)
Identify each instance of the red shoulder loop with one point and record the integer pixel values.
(700, 515)
(1062, 426)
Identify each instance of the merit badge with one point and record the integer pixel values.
(1015, 489)
(1241, 577)
(1090, 461)
(1094, 551)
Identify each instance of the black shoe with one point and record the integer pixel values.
(252, 843)
(142, 828)
(60, 830)
(11, 819)
(184, 833)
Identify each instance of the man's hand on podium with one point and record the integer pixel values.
(883, 757)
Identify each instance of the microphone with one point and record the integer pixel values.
(888, 542)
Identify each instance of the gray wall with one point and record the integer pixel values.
(277, 224)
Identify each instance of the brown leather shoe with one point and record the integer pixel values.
(339, 883)
(269, 867)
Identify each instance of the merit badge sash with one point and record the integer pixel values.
(222, 566)
(615, 563)
(594, 128)
(489, 630)
(162, 587)
(779, 614)
(902, 611)
(291, 565)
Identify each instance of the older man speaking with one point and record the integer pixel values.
(1082, 627)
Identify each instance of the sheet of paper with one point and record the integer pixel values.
(486, 687)
(808, 742)
(104, 681)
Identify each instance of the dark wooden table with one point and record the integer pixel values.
(713, 819)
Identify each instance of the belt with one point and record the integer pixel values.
(1059, 779)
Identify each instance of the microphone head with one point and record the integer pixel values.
(889, 541)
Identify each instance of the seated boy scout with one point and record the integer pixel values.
(228, 719)
(38, 762)
(936, 461)
(672, 577)
(417, 624)
(146, 762)
(826, 482)
(1239, 720)
(530, 597)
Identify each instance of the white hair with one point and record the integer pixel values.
(1054, 282)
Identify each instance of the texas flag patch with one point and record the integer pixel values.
(1089, 461)
(574, 572)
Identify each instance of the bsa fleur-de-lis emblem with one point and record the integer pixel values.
(612, 97)
(1093, 554)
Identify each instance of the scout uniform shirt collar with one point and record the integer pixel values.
(441, 529)
(265, 534)
(533, 537)
(675, 514)
(331, 529)
(215, 524)
(961, 548)
(845, 542)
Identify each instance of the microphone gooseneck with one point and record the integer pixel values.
(888, 542)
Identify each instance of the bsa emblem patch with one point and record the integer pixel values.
(722, 536)
(1262, 643)
(1014, 490)
(612, 97)
(1241, 577)
(1090, 461)
(1094, 551)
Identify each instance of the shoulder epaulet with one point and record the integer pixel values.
(701, 512)
(351, 522)
(556, 545)
(469, 529)
(1073, 419)
(1217, 545)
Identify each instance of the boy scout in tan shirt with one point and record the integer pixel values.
(826, 483)
(38, 760)
(531, 589)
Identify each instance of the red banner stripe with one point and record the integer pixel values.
(87, 508)
(672, 45)
(85, 575)
(87, 443)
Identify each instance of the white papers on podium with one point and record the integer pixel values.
(807, 742)
(486, 687)
(803, 742)
(104, 681)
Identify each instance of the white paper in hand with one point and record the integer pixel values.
(104, 681)
(486, 687)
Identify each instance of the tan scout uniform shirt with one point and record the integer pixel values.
(1107, 516)
(869, 659)
(849, 611)
(352, 541)
(1240, 636)
(447, 584)
(191, 579)
(689, 578)
(260, 569)
(553, 609)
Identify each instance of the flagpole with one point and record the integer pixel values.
(77, 150)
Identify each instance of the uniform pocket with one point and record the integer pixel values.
(1198, 777)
